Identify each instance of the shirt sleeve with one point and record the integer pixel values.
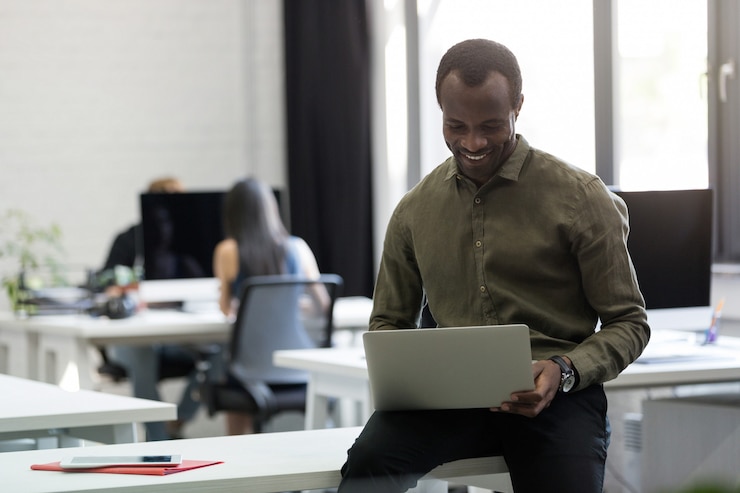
(123, 250)
(398, 289)
(599, 238)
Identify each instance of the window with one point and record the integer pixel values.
(660, 95)
(553, 42)
(654, 121)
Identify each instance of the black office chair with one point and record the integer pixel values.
(269, 318)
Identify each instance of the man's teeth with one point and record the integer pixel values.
(475, 158)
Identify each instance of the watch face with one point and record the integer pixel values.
(568, 383)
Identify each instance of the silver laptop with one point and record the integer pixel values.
(448, 368)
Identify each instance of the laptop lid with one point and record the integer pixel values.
(448, 368)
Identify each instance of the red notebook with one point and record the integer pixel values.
(149, 470)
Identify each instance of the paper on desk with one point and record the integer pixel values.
(146, 470)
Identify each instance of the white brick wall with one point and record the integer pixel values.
(98, 97)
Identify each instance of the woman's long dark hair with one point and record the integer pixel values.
(251, 217)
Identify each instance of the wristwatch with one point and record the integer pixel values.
(567, 375)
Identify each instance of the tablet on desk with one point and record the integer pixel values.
(92, 461)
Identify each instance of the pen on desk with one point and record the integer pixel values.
(710, 335)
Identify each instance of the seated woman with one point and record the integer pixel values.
(257, 244)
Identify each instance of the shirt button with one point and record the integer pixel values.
(482, 289)
(477, 200)
(478, 243)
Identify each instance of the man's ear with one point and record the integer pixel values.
(519, 106)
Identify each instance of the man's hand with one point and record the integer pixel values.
(531, 403)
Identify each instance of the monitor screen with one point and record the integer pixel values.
(180, 232)
(670, 243)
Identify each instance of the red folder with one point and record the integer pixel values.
(150, 470)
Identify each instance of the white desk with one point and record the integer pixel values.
(45, 412)
(265, 462)
(333, 372)
(718, 363)
(55, 348)
(342, 372)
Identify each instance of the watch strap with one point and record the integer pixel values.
(565, 372)
(561, 363)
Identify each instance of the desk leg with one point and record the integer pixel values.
(125, 433)
(356, 410)
(117, 433)
(18, 350)
(47, 442)
(316, 407)
(64, 361)
(358, 406)
(430, 486)
(69, 441)
(324, 385)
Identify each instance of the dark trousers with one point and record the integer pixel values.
(561, 450)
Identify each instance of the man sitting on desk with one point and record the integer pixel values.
(504, 233)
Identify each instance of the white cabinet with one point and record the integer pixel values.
(689, 441)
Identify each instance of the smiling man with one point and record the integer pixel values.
(504, 233)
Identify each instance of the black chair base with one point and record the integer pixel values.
(231, 396)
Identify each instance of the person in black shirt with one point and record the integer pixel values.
(144, 365)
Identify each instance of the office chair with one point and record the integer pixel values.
(269, 318)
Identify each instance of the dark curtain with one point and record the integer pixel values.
(328, 135)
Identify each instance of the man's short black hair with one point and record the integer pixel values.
(475, 59)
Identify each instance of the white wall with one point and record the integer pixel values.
(99, 97)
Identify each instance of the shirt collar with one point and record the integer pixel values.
(510, 170)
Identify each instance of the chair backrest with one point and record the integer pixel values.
(270, 317)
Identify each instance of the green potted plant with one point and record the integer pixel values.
(26, 247)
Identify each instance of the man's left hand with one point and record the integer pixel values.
(531, 403)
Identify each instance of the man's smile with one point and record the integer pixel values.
(477, 157)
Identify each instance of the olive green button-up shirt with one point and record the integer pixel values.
(543, 243)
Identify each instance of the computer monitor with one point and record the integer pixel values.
(670, 243)
(180, 232)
